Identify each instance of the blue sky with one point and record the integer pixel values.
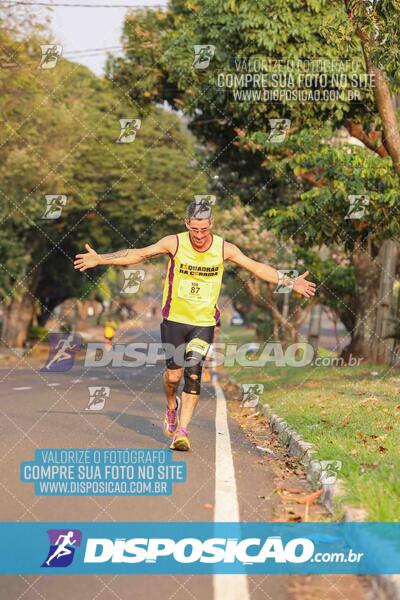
(88, 28)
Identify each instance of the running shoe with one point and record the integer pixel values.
(180, 440)
(171, 421)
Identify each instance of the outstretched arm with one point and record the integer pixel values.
(267, 273)
(167, 245)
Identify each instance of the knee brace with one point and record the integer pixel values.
(192, 376)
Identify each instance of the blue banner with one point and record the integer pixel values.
(200, 548)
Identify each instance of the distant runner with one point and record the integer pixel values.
(110, 327)
(189, 306)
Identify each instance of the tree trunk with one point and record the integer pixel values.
(335, 329)
(101, 313)
(285, 308)
(17, 319)
(384, 104)
(384, 101)
(367, 273)
(242, 308)
(315, 327)
(262, 295)
(383, 347)
(81, 313)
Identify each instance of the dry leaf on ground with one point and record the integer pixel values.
(311, 498)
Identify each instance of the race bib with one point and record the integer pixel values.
(198, 291)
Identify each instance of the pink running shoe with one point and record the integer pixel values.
(180, 440)
(171, 421)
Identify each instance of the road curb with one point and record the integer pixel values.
(306, 453)
(388, 585)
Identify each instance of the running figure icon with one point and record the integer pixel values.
(63, 544)
(62, 549)
(63, 348)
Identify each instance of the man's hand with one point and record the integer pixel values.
(87, 261)
(304, 287)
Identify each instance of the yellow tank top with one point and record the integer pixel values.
(193, 282)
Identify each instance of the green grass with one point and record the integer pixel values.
(236, 335)
(349, 415)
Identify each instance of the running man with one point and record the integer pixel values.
(189, 307)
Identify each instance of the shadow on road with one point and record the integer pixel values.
(136, 423)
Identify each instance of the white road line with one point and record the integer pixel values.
(20, 389)
(226, 508)
(53, 384)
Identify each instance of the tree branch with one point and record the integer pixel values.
(382, 95)
(370, 140)
(383, 99)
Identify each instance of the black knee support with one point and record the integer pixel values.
(192, 376)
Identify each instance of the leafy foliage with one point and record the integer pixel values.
(59, 137)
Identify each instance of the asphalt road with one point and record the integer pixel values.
(41, 410)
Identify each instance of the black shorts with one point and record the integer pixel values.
(190, 341)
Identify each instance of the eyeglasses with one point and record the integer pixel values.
(195, 230)
(199, 230)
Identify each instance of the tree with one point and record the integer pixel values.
(350, 36)
(61, 127)
(323, 215)
(30, 152)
